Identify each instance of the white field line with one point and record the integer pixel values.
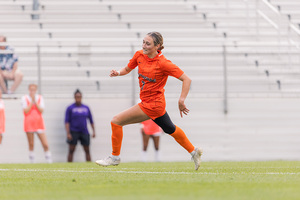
(150, 172)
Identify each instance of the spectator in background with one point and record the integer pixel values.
(33, 107)
(2, 117)
(150, 130)
(76, 126)
(9, 68)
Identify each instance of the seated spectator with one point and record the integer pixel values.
(9, 68)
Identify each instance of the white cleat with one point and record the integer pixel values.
(197, 157)
(108, 161)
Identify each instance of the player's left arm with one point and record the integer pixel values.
(39, 106)
(94, 132)
(186, 83)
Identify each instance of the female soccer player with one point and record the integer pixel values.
(33, 107)
(153, 71)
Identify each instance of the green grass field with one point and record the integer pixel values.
(171, 180)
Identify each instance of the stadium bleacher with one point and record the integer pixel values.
(119, 22)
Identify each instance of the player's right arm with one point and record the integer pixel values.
(122, 72)
(67, 123)
(67, 126)
(26, 108)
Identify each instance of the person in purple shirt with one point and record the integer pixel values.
(76, 126)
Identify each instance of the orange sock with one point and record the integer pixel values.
(116, 138)
(181, 138)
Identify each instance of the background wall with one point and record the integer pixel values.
(254, 129)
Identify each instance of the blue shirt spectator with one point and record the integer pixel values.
(76, 116)
(8, 60)
(9, 68)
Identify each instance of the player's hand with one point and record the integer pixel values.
(69, 136)
(94, 135)
(114, 73)
(182, 108)
(32, 99)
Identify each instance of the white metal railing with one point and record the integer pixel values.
(263, 9)
(281, 23)
(223, 52)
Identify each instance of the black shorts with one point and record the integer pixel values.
(83, 138)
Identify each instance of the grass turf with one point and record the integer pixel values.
(171, 180)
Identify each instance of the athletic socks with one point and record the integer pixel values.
(157, 156)
(181, 138)
(144, 156)
(31, 157)
(48, 156)
(116, 138)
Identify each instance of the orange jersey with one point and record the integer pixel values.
(153, 75)
(2, 117)
(150, 127)
(33, 120)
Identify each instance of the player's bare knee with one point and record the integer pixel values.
(19, 75)
(116, 120)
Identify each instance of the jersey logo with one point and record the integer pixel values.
(146, 78)
(79, 110)
(143, 82)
